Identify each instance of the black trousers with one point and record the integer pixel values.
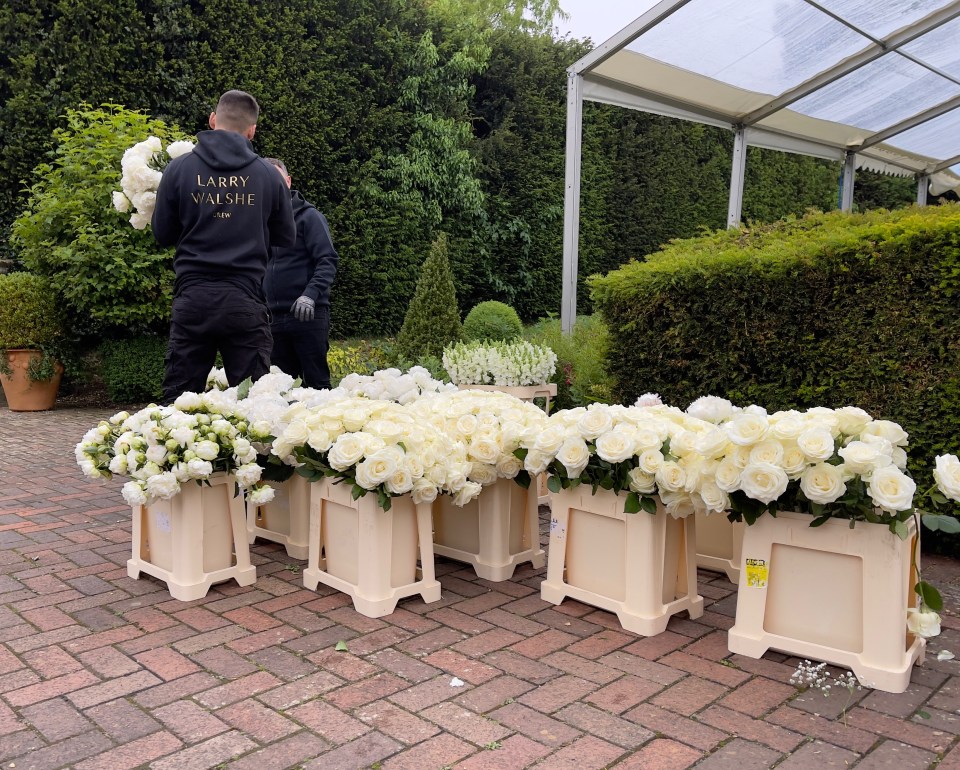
(210, 317)
(300, 347)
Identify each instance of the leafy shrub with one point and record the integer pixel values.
(433, 319)
(828, 310)
(359, 356)
(581, 374)
(29, 312)
(108, 273)
(132, 369)
(492, 320)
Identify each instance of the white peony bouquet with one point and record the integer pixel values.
(377, 446)
(644, 451)
(161, 447)
(142, 166)
(508, 364)
(490, 425)
(393, 385)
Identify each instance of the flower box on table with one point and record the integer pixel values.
(285, 519)
(719, 543)
(829, 593)
(370, 554)
(638, 565)
(193, 540)
(494, 532)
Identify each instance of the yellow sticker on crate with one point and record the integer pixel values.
(757, 573)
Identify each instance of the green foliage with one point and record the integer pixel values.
(29, 312)
(581, 374)
(356, 356)
(828, 310)
(433, 320)
(108, 273)
(133, 369)
(492, 320)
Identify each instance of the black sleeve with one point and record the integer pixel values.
(165, 222)
(283, 231)
(319, 245)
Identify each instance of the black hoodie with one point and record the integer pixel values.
(224, 207)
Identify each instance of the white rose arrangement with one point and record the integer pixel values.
(507, 364)
(142, 166)
(162, 447)
(393, 385)
(376, 446)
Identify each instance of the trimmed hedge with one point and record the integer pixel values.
(132, 369)
(831, 309)
(492, 320)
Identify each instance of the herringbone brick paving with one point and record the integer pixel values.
(98, 671)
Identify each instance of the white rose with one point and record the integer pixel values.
(536, 462)
(670, 476)
(679, 504)
(423, 491)
(862, 458)
(508, 466)
(763, 482)
(816, 443)
(714, 498)
(891, 489)
(484, 450)
(550, 440)
(727, 475)
(923, 622)
(642, 483)
(483, 474)
(378, 467)
(946, 473)
(794, 461)
(786, 426)
(711, 444)
(747, 429)
(261, 495)
(466, 493)
(650, 461)
(852, 420)
(163, 486)
(133, 493)
(614, 446)
(767, 451)
(346, 451)
(574, 456)
(400, 482)
(595, 422)
(822, 483)
(891, 431)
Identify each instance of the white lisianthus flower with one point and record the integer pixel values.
(133, 494)
(763, 482)
(863, 458)
(711, 409)
(642, 483)
(822, 483)
(946, 473)
(574, 455)
(614, 446)
(261, 495)
(207, 450)
(891, 489)
(163, 486)
(747, 429)
(816, 443)
(923, 622)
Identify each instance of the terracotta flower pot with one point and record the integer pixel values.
(24, 394)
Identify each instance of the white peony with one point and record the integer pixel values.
(176, 149)
(711, 409)
(163, 486)
(121, 202)
(207, 450)
(649, 399)
(248, 475)
(133, 493)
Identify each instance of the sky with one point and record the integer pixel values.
(599, 19)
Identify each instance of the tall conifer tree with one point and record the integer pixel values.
(433, 318)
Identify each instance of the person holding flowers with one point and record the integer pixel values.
(223, 207)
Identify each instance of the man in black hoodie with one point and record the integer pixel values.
(223, 207)
(297, 286)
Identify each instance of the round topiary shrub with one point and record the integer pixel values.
(492, 321)
(30, 315)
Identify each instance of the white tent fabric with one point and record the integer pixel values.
(872, 83)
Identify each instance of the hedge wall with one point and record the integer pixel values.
(831, 309)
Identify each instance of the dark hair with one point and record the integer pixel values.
(279, 164)
(237, 111)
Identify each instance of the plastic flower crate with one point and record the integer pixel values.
(193, 540)
(494, 532)
(285, 519)
(370, 554)
(829, 593)
(638, 565)
(719, 544)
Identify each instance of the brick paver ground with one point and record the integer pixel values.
(98, 671)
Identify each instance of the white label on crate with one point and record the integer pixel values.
(162, 520)
(556, 530)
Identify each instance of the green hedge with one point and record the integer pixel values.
(831, 309)
(132, 369)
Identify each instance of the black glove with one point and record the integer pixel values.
(302, 309)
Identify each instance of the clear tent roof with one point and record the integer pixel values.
(880, 78)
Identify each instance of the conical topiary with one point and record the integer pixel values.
(433, 320)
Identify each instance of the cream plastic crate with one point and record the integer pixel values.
(285, 519)
(494, 532)
(829, 593)
(195, 539)
(638, 565)
(719, 544)
(370, 554)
